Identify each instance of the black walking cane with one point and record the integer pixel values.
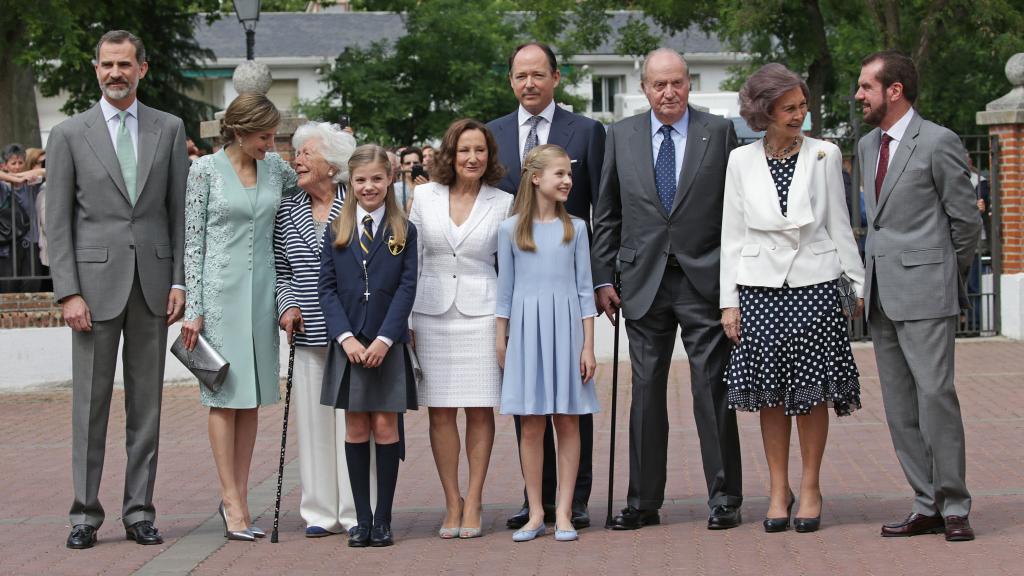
(284, 439)
(615, 392)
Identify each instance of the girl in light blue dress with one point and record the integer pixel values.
(545, 329)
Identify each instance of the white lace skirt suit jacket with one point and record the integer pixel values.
(453, 316)
(813, 243)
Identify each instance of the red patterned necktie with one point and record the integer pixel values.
(883, 164)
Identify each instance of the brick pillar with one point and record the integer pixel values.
(1005, 120)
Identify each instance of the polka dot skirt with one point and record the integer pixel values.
(794, 350)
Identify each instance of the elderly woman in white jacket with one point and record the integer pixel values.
(786, 241)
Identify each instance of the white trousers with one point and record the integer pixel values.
(326, 492)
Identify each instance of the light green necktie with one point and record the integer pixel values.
(126, 155)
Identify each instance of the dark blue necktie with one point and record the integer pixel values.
(665, 169)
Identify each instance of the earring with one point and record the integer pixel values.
(330, 173)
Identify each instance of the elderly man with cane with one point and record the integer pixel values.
(659, 212)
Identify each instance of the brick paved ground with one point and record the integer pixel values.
(863, 487)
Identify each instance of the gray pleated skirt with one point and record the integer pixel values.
(390, 387)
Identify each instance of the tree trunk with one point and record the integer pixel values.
(821, 71)
(19, 118)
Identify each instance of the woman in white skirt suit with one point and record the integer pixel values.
(458, 216)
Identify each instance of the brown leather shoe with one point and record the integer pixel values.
(958, 529)
(914, 525)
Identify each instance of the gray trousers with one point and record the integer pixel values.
(915, 367)
(93, 359)
(651, 341)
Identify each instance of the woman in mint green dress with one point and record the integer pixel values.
(230, 205)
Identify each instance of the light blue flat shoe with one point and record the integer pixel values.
(566, 535)
(524, 535)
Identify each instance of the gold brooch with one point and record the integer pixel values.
(821, 154)
(394, 247)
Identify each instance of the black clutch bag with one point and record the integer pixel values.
(203, 361)
(846, 295)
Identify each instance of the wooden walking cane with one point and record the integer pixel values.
(615, 393)
(284, 439)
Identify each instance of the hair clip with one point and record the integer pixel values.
(394, 247)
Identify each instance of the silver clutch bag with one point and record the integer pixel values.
(204, 362)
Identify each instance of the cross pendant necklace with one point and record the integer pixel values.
(366, 281)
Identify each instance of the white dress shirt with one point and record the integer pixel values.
(543, 127)
(378, 217)
(896, 132)
(113, 122)
(132, 121)
(680, 130)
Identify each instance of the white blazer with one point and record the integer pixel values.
(459, 271)
(813, 243)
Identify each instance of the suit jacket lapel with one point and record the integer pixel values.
(149, 136)
(899, 161)
(640, 142)
(869, 169)
(483, 205)
(764, 196)
(298, 215)
(508, 149)
(98, 137)
(799, 211)
(697, 138)
(379, 238)
(561, 128)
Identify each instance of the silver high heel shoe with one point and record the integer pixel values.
(241, 535)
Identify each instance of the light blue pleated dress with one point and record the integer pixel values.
(545, 295)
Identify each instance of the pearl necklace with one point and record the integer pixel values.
(779, 155)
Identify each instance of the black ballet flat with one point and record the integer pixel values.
(780, 524)
(804, 525)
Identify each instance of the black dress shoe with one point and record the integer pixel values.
(519, 519)
(580, 515)
(634, 519)
(359, 536)
(82, 536)
(724, 517)
(143, 532)
(381, 536)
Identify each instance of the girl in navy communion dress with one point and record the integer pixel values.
(545, 329)
(367, 288)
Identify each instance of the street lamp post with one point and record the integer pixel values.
(248, 12)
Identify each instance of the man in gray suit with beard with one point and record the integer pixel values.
(115, 210)
(923, 226)
(659, 213)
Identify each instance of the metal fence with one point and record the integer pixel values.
(22, 269)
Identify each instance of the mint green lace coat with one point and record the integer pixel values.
(229, 273)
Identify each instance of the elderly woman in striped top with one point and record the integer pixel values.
(321, 162)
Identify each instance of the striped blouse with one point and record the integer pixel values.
(297, 253)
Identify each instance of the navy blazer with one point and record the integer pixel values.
(392, 281)
(581, 137)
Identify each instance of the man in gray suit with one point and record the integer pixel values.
(923, 226)
(659, 213)
(115, 221)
